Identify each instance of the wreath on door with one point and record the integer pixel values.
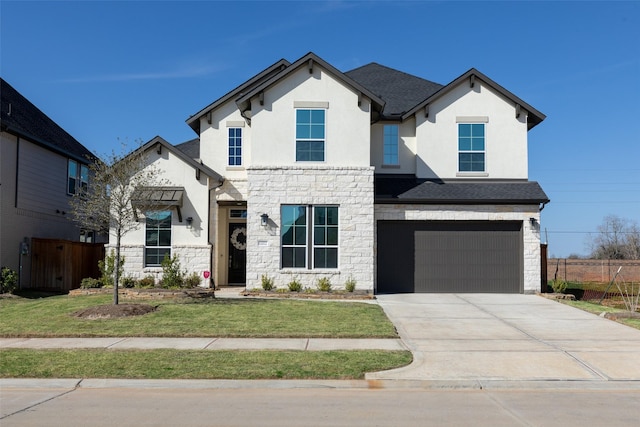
(239, 238)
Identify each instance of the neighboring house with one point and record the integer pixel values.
(396, 182)
(41, 167)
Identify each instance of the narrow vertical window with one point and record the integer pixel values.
(72, 177)
(325, 237)
(157, 237)
(310, 135)
(390, 145)
(84, 178)
(294, 236)
(235, 146)
(471, 147)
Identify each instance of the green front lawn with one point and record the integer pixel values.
(594, 308)
(52, 317)
(197, 364)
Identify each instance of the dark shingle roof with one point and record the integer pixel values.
(190, 148)
(19, 116)
(408, 189)
(400, 90)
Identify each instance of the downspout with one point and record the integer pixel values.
(15, 199)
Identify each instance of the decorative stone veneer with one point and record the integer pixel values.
(351, 188)
(530, 232)
(192, 259)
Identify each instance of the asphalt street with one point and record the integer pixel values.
(313, 404)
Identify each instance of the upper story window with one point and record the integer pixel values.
(310, 135)
(77, 177)
(390, 145)
(235, 146)
(471, 147)
(157, 237)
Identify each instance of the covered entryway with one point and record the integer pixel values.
(449, 256)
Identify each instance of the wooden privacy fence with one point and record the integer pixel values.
(592, 270)
(61, 264)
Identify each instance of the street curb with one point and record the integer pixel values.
(441, 385)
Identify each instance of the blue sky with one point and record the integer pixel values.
(128, 71)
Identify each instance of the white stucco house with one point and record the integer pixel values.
(375, 175)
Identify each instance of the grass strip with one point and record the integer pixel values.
(52, 317)
(598, 309)
(197, 364)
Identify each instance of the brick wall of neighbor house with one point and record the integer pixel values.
(351, 188)
(531, 234)
(193, 258)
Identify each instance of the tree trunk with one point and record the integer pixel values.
(116, 273)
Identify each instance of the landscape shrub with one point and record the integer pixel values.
(108, 267)
(146, 282)
(559, 286)
(128, 282)
(324, 284)
(295, 285)
(267, 283)
(8, 280)
(90, 283)
(350, 285)
(192, 281)
(172, 275)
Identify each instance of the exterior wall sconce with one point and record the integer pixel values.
(189, 222)
(532, 220)
(264, 219)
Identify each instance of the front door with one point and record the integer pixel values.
(237, 253)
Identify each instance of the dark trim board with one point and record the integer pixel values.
(449, 257)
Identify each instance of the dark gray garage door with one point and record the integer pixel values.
(443, 256)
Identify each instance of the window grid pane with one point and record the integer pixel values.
(390, 145)
(310, 135)
(471, 147)
(235, 146)
(325, 239)
(157, 237)
(294, 236)
(299, 239)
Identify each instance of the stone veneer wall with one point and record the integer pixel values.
(192, 259)
(531, 233)
(351, 188)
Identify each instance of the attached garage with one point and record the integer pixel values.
(450, 256)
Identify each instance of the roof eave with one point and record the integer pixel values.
(198, 166)
(535, 116)
(244, 100)
(412, 201)
(48, 145)
(194, 120)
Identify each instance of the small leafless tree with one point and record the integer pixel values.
(106, 204)
(617, 238)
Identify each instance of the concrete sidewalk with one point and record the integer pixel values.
(148, 343)
(479, 338)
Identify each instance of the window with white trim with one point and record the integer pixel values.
(310, 135)
(77, 177)
(157, 237)
(471, 147)
(390, 145)
(235, 146)
(309, 236)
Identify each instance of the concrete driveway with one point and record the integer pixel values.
(498, 337)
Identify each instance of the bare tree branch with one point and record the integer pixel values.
(106, 205)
